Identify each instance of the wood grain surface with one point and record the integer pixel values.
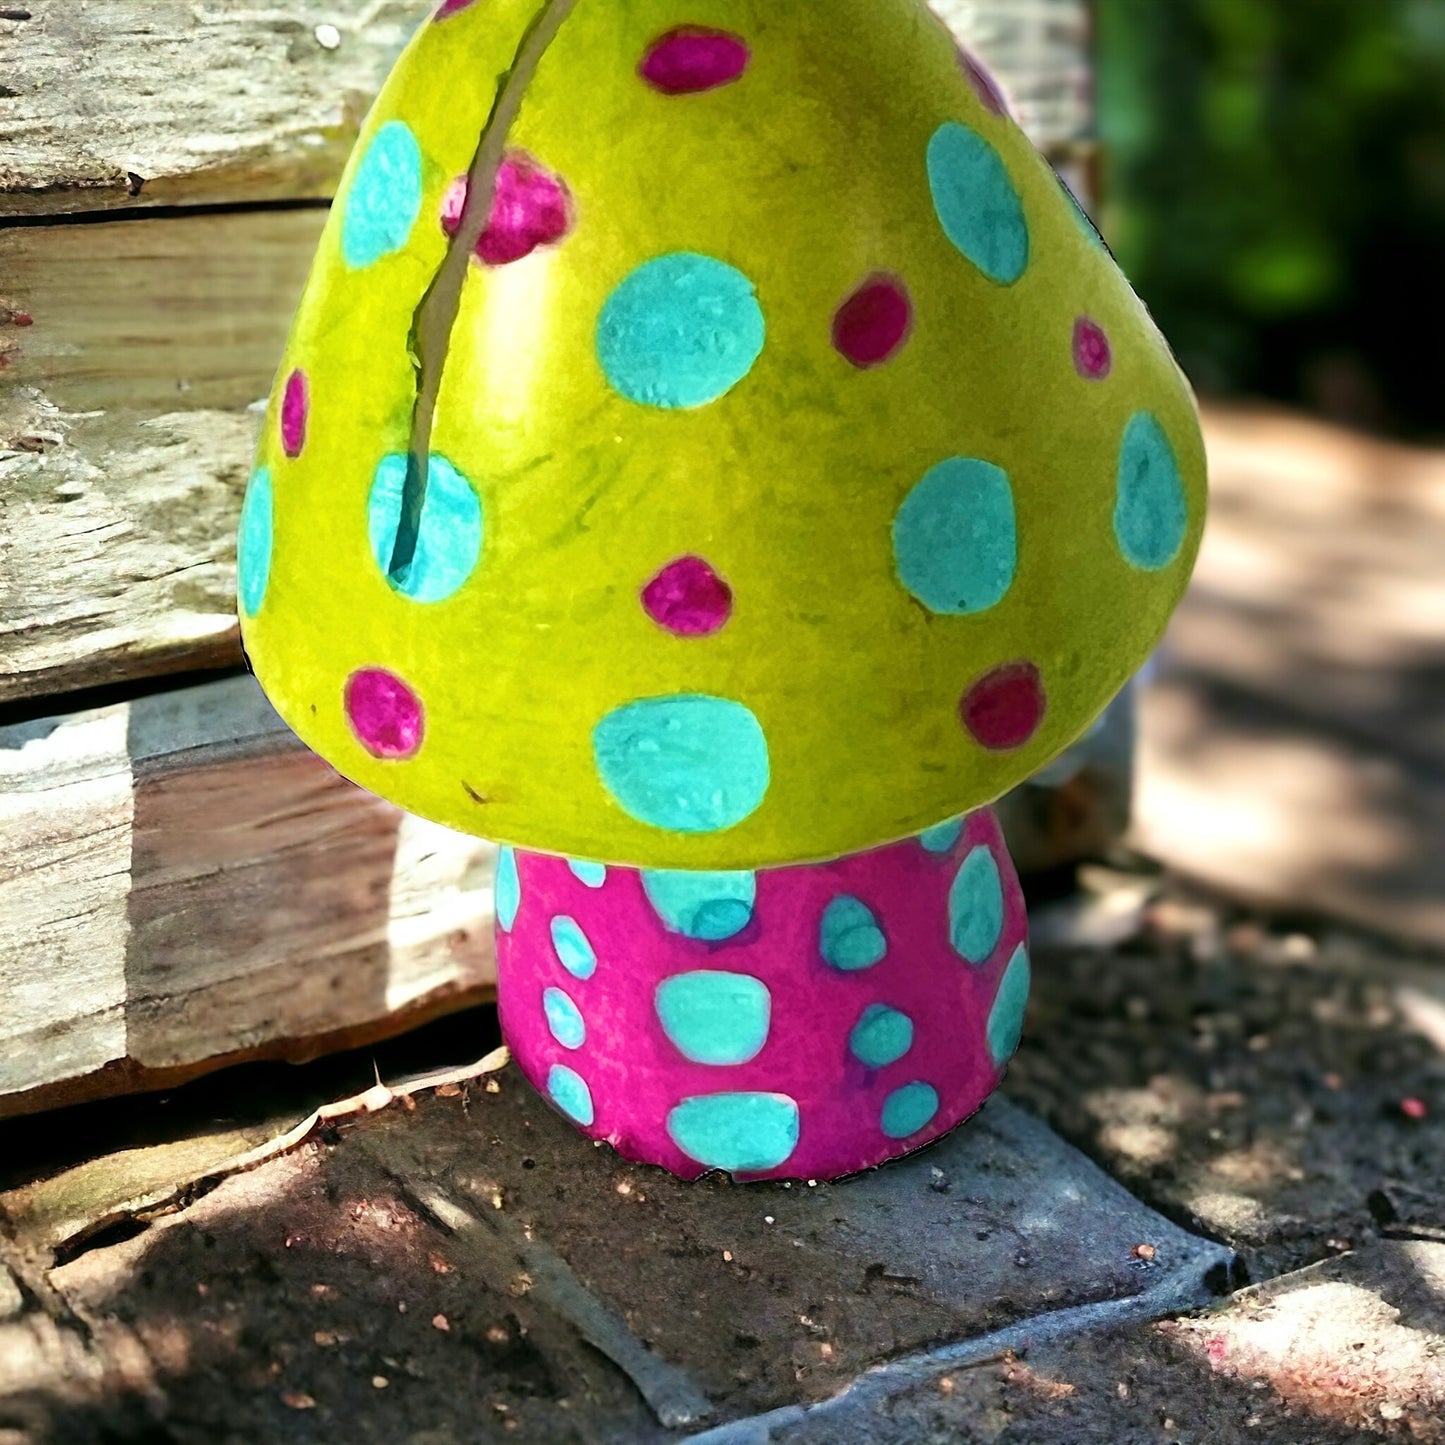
(181, 882)
(111, 104)
(128, 418)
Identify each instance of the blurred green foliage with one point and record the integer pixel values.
(1275, 188)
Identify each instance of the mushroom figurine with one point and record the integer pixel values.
(715, 458)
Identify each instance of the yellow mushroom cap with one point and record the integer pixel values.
(803, 470)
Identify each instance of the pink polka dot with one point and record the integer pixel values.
(688, 599)
(874, 322)
(985, 87)
(1093, 356)
(692, 58)
(531, 208)
(295, 409)
(384, 713)
(451, 7)
(1004, 708)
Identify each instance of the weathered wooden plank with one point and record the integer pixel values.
(65, 824)
(182, 883)
(123, 103)
(117, 544)
(153, 316)
(126, 437)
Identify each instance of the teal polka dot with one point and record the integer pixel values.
(942, 838)
(975, 907)
(449, 542)
(909, 1109)
(254, 543)
(955, 538)
(1151, 515)
(573, 948)
(977, 202)
(1006, 1018)
(564, 1018)
(594, 875)
(881, 1037)
(850, 937)
(680, 331)
(707, 906)
(742, 1133)
(385, 197)
(715, 1018)
(688, 764)
(508, 889)
(571, 1095)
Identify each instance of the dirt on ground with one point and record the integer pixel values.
(1274, 1085)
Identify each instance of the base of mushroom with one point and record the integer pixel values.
(795, 1023)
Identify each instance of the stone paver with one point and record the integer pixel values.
(1281, 1088)
(770, 1293)
(468, 1266)
(1352, 1350)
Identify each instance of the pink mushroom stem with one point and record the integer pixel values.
(804, 1022)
